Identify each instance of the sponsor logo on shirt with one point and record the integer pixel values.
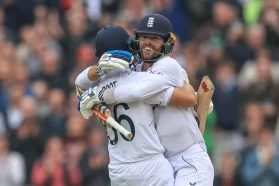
(107, 86)
(155, 72)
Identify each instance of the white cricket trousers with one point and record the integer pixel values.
(193, 167)
(155, 171)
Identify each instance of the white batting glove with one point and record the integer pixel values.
(114, 60)
(210, 108)
(88, 99)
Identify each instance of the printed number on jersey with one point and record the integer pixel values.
(119, 119)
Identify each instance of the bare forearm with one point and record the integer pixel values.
(92, 73)
(184, 96)
(87, 77)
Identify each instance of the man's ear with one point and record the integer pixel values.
(131, 44)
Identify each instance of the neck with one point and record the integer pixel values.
(145, 66)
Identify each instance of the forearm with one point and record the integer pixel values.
(162, 98)
(92, 73)
(184, 96)
(140, 90)
(87, 77)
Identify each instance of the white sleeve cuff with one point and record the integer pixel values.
(82, 80)
(169, 93)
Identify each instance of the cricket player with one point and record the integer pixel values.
(139, 161)
(176, 126)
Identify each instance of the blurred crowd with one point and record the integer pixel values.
(45, 44)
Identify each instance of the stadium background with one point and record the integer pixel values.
(44, 44)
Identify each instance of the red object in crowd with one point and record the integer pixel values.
(66, 4)
(56, 178)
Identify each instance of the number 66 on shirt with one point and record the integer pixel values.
(103, 114)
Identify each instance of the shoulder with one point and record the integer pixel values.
(122, 77)
(134, 75)
(167, 64)
(168, 60)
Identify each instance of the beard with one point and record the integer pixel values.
(150, 55)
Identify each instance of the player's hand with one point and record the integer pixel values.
(88, 99)
(209, 110)
(114, 60)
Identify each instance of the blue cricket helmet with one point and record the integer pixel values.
(156, 24)
(113, 37)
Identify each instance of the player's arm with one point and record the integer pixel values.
(146, 87)
(85, 79)
(167, 73)
(87, 94)
(111, 60)
(184, 96)
(156, 93)
(179, 96)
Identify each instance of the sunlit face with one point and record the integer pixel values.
(151, 46)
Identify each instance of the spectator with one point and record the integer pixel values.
(255, 39)
(252, 9)
(226, 97)
(51, 70)
(28, 51)
(253, 123)
(260, 163)
(50, 170)
(9, 34)
(85, 56)
(57, 119)
(226, 177)
(76, 28)
(44, 44)
(29, 138)
(12, 165)
(14, 113)
(236, 48)
(249, 73)
(270, 19)
(72, 104)
(195, 62)
(263, 88)
(94, 159)
(41, 91)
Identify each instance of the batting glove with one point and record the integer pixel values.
(114, 60)
(87, 100)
